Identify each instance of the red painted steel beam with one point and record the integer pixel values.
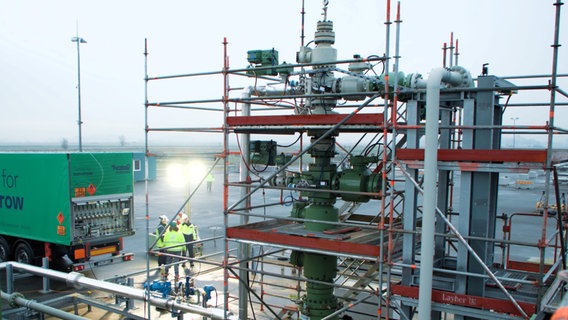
(376, 119)
(274, 237)
(526, 266)
(476, 155)
(446, 297)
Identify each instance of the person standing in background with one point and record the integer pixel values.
(190, 234)
(209, 179)
(160, 231)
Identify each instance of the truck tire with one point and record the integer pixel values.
(4, 250)
(24, 253)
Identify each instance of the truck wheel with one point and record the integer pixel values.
(24, 253)
(4, 250)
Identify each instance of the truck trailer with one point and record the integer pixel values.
(68, 207)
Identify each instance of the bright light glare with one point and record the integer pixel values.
(180, 174)
(177, 175)
(197, 171)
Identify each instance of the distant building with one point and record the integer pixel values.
(139, 166)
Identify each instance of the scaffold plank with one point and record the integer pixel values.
(284, 233)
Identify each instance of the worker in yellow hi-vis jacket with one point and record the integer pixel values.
(175, 247)
(190, 234)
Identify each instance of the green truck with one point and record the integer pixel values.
(68, 207)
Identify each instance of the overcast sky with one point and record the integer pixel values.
(39, 62)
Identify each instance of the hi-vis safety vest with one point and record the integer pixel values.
(189, 230)
(174, 238)
(160, 242)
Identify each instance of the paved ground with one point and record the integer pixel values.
(206, 212)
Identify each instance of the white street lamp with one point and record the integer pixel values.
(514, 124)
(79, 122)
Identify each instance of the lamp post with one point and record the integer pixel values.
(79, 40)
(514, 124)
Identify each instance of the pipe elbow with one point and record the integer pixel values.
(455, 77)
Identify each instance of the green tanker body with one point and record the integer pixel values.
(68, 207)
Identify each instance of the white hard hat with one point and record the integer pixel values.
(163, 217)
(183, 217)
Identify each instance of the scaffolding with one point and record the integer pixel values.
(417, 231)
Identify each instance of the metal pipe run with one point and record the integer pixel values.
(78, 280)
(236, 71)
(468, 247)
(19, 300)
(146, 169)
(430, 191)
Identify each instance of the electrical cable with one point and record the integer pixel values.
(250, 287)
(351, 151)
(293, 143)
(243, 158)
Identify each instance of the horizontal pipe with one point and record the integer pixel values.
(370, 194)
(219, 72)
(465, 273)
(168, 103)
(184, 75)
(533, 76)
(174, 106)
(208, 130)
(540, 104)
(78, 280)
(18, 299)
(480, 127)
(340, 95)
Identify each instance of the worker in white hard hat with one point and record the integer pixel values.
(190, 233)
(160, 231)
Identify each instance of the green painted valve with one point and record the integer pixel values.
(358, 179)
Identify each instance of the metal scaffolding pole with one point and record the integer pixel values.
(381, 226)
(548, 172)
(146, 172)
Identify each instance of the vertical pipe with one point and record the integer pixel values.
(451, 50)
(244, 249)
(384, 160)
(559, 221)
(444, 50)
(130, 301)
(146, 171)
(225, 172)
(302, 37)
(553, 79)
(9, 278)
(301, 162)
(457, 53)
(79, 121)
(429, 206)
(45, 264)
(394, 116)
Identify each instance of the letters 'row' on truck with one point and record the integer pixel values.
(68, 207)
